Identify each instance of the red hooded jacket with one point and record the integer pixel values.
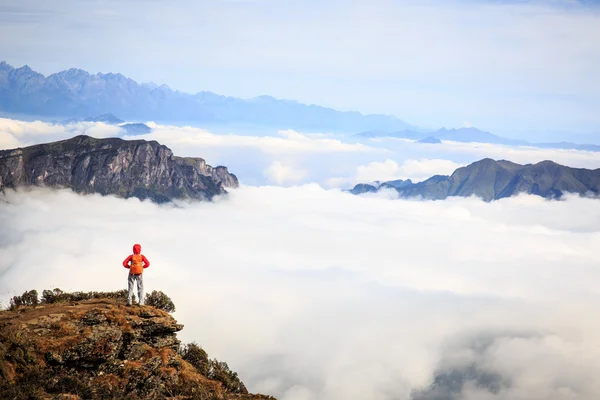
(137, 249)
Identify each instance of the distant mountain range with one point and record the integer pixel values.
(457, 135)
(493, 180)
(471, 135)
(136, 128)
(131, 129)
(77, 93)
(125, 168)
(106, 118)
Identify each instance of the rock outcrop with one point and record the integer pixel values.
(493, 180)
(102, 349)
(126, 168)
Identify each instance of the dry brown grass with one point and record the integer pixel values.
(109, 381)
(131, 366)
(9, 371)
(115, 316)
(168, 371)
(58, 344)
(189, 375)
(165, 354)
(62, 328)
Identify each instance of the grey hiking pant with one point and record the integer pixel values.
(131, 279)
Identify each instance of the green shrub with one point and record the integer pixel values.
(29, 298)
(160, 300)
(196, 356)
(57, 295)
(212, 369)
(219, 371)
(53, 296)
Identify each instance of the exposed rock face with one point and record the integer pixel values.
(99, 349)
(135, 168)
(492, 180)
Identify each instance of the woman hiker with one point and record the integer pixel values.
(136, 263)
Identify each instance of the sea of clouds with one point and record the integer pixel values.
(288, 158)
(317, 294)
(311, 293)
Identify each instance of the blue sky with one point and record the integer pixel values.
(509, 67)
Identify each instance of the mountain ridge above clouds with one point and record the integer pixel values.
(77, 93)
(107, 118)
(112, 166)
(492, 180)
(130, 128)
(471, 135)
(465, 134)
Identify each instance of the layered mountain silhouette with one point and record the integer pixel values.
(130, 128)
(125, 168)
(492, 180)
(136, 128)
(106, 118)
(466, 135)
(77, 93)
(470, 135)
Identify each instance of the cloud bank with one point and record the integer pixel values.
(16, 133)
(317, 294)
(289, 157)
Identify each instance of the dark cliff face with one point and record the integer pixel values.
(493, 180)
(101, 349)
(135, 168)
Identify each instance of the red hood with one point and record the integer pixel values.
(137, 249)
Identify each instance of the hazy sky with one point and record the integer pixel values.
(505, 66)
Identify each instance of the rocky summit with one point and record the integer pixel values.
(126, 168)
(101, 349)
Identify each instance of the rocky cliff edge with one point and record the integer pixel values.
(112, 166)
(102, 349)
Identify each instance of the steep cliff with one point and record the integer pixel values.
(102, 349)
(126, 168)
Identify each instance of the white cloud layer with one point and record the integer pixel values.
(282, 174)
(290, 157)
(318, 294)
(287, 141)
(410, 169)
(16, 133)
